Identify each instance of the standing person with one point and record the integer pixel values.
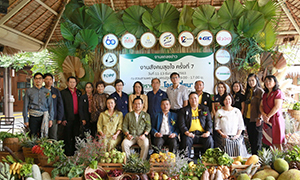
(270, 108)
(58, 106)
(136, 127)
(39, 104)
(99, 105)
(221, 88)
(204, 97)
(120, 97)
(238, 95)
(138, 91)
(110, 125)
(164, 127)
(229, 125)
(195, 126)
(71, 121)
(178, 94)
(85, 108)
(155, 97)
(252, 115)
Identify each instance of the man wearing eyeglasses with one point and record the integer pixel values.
(39, 104)
(177, 94)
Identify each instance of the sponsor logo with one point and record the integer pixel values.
(128, 40)
(167, 40)
(223, 73)
(110, 41)
(109, 59)
(109, 76)
(205, 38)
(148, 40)
(222, 56)
(223, 37)
(186, 38)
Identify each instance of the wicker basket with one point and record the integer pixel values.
(28, 154)
(44, 160)
(119, 177)
(89, 170)
(295, 114)
(12, 143)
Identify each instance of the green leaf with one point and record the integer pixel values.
(266, 38)
(132, 19)
(104, 18)
(229, 14)
(82, 19)
(268, 10)
(66, 32)
(251, 23)
(205, 18)
(165, 18)
(147, 20)
(87, 39)
(185, 19)
(71, 6)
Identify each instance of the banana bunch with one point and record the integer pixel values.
(15, 168)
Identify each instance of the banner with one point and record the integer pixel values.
(145, 67)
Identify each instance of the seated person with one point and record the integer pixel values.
(110, 124)
(229, 124)
(195, 125)
(164, 127)
(136, 126)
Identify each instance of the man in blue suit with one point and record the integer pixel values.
(164, 127)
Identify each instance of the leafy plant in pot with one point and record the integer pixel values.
(295, 112)
(137, 166)
(49, 151)
(27, 144)
(11, 140)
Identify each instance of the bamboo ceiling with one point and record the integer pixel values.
(36, 20)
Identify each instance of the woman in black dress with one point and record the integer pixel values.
(238, 95)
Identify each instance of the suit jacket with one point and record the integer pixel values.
(136, 128)
(185, 118)
(206, 100)
(58, 105)
(156, 124)
(83, 106)
(68, 104)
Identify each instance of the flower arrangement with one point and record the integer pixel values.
(220, 116)
(48, 94)
(204, 113)
(173, 122)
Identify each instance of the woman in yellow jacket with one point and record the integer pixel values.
(110, 125)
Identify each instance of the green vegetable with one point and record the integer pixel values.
(26, 170)
(296, 106)
(94, 164)
(293, 155)
(217, 156)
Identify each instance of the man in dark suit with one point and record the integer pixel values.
(196, 126)
(58, 106)
(71, 122)
(164, 127)
(204, 97)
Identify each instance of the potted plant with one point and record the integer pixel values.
(11, 140)
(88, 150)
(27, 144)
(136, 166)
(49, 151)
(295, 112)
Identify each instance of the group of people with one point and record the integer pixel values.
(176, 118)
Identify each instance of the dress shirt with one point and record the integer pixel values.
(164, 129)
(39, 100)
(154, 101)
(122, 102)
(177, 96)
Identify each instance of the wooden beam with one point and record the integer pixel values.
(112, 4)
(287, 32)
(56, 23)
(286, 11)
(212, 2)
(12, 4)
(13, 11)
(47, 7)
(21, 34)
(294, 16)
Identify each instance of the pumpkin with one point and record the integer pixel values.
(224, 170)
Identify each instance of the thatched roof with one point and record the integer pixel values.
(32, 25)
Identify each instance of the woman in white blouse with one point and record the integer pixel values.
(229, 125)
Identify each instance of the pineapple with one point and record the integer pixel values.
(276, 153)
(265, 157)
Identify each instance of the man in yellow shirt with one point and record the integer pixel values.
(196, 126)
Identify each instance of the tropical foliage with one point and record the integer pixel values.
(251, 23)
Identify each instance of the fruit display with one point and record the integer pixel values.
(161, 157)
(114, 173)
(113, 156)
